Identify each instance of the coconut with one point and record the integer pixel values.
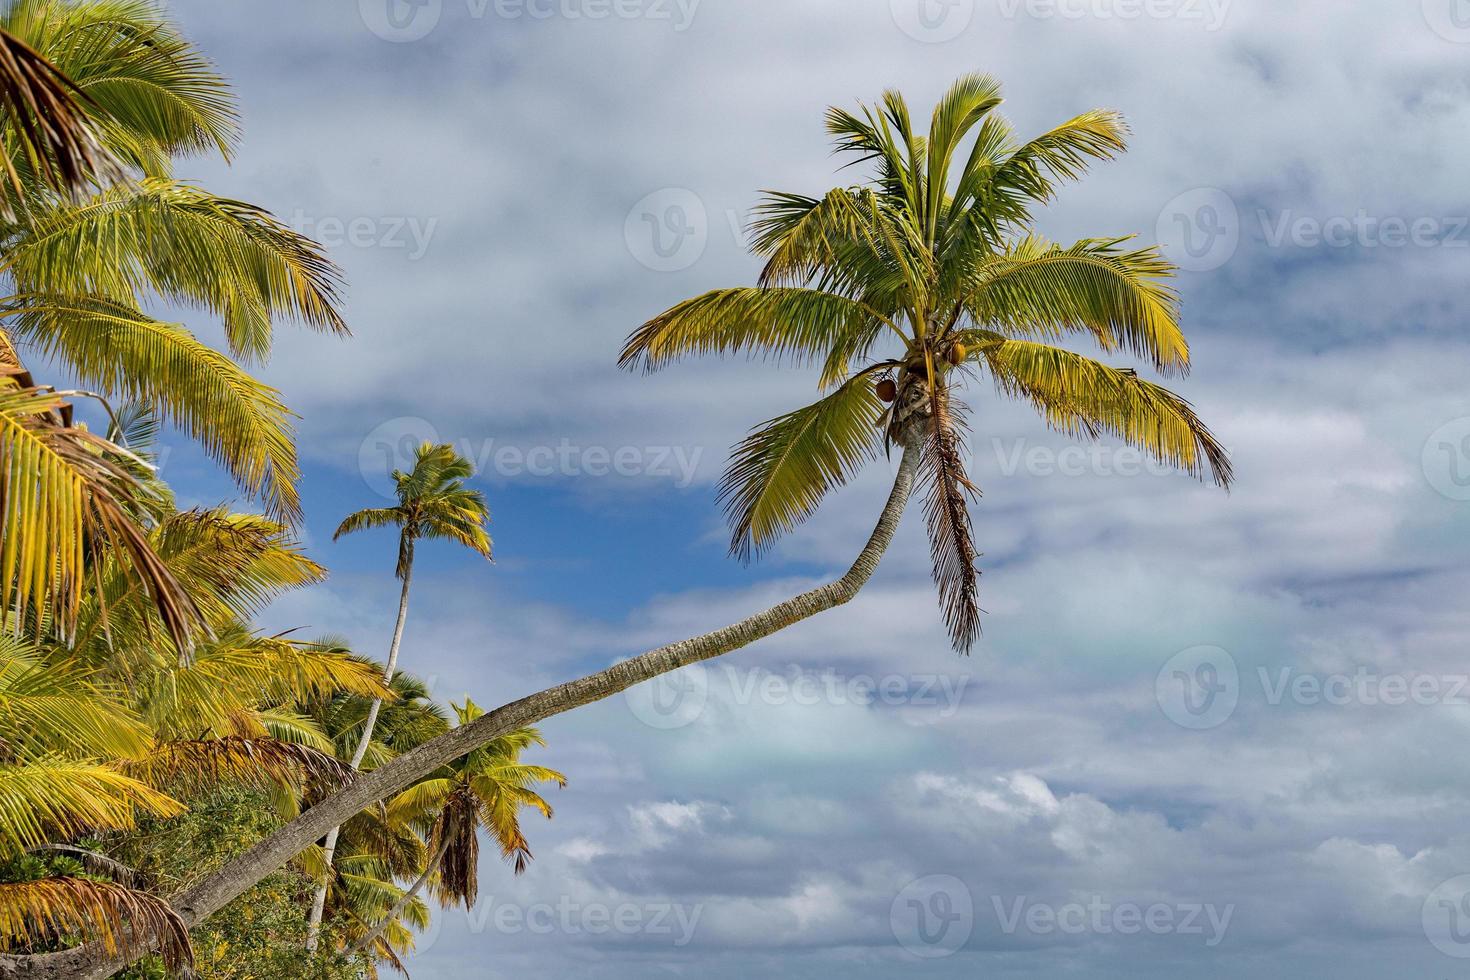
(957, 355)
(887, 390)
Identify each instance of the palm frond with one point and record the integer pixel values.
(1082, 397)
(779, 474)
(52, 799)
(947, 513)
(54, 910)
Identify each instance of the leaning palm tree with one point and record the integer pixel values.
(433, 503)
(933, 257)
(485, 790)
(923, 277)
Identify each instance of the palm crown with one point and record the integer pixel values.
(925, 275)
(433, 502)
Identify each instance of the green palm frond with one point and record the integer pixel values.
(239, 421)
(779, 474)
(143, 76)
(1120, 298)
(779, 321)
(184, 245)
(55, 799)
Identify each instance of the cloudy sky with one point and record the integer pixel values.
(1204, 733)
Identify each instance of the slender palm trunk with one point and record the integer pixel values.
(90, 962)
(329, 850)
(366, 942)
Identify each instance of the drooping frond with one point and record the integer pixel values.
(1082, 397)
(1120, 298)
(947, 513)
(185, 245)
(199, 764)
(238, 420)
(61, 495)
(51, 910)
(779, 474)
(54, 799)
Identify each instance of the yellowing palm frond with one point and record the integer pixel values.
(49, 707)
(1081, 397)
(60, 495)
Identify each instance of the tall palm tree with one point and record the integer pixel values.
(486, 789)
(927, 275)
(937, 263)
(433, 503)
(78, 278)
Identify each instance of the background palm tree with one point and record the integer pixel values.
(486, 789)
(433, 503)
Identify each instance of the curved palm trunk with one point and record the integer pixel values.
(366, 942)
(329, 849)
(235, 878)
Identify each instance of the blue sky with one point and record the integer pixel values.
(1204, 732)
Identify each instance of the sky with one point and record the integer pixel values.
(1203, 732)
